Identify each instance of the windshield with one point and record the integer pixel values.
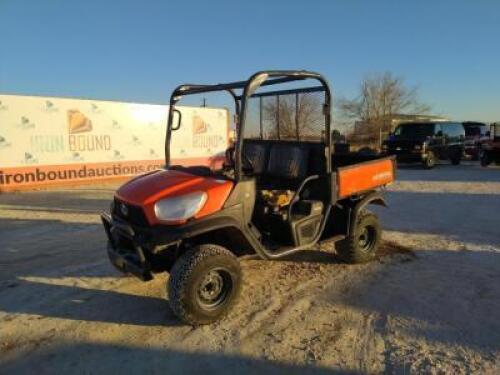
(204, 121)
(414, 130)
(204, 133)
(474, 130)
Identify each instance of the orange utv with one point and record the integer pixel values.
(280, 189)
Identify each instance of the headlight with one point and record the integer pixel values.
(180, 208)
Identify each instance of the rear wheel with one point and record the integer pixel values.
(484, 158)
(361, 246)
(204, 283)
(455, 158)
(475, 156)
(430, 160)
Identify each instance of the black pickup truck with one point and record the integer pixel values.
(426, 142)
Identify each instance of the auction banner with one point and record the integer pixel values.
(59, 141)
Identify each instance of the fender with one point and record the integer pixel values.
(374, 197)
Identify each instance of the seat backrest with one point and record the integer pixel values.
(257, 154)
(283, 165)
(317, 161)
(287, 161)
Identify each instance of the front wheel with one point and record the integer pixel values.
(430, 160)
(204, 283)
(361, 246)
(455, 159)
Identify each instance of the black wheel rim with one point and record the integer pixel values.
(214, 288)
(366, 239)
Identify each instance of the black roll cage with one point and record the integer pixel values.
(261, 78)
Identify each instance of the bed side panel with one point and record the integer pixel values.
(358, 178)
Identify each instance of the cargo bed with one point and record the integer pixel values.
(356, 177)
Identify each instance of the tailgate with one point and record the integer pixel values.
(361, 177)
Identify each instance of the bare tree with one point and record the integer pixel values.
(381, 97)
(293, 116)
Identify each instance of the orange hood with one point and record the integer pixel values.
(147, 189)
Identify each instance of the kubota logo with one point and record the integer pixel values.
(382, 176)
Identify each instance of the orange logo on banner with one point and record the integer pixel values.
(78, 122)
(199, 126)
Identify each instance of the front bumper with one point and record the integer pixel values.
(128, 259)
(144, 250)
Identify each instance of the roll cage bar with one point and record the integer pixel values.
(248, 87)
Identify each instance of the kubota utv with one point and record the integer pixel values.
(281, 189)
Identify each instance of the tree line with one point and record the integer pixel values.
(381, 98)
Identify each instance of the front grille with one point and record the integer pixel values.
(135, 215)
